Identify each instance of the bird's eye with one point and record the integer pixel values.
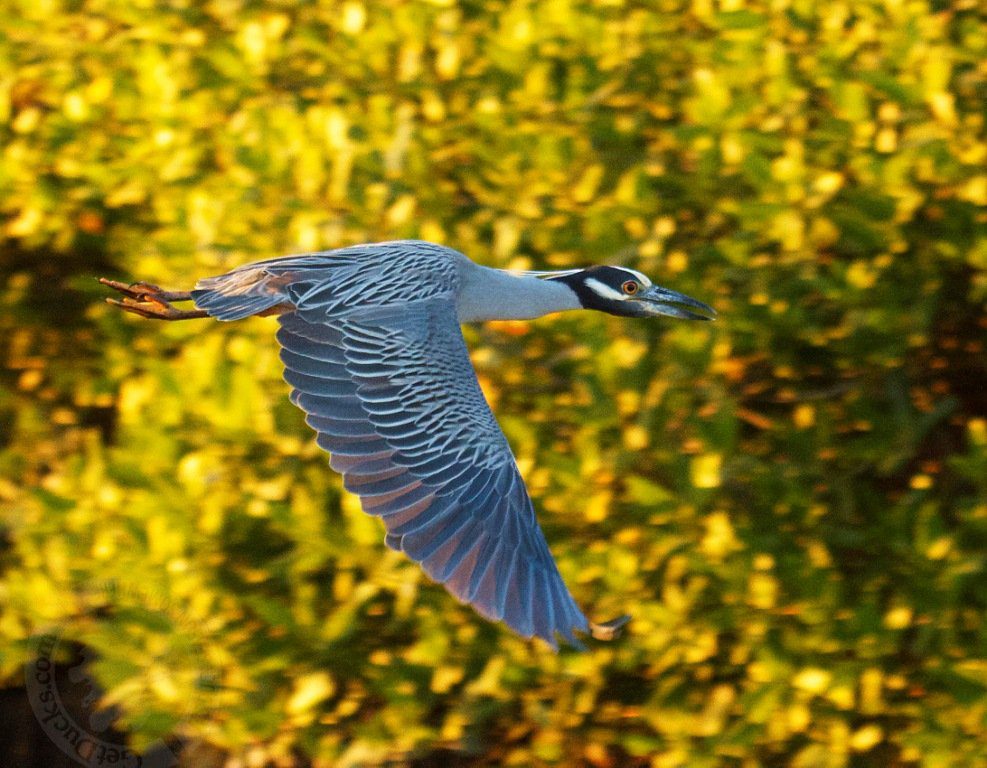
(630, 287)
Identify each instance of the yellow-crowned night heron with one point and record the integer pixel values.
(372, 347)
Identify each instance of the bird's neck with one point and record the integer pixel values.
(493, 294)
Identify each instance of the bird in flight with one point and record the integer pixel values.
(372, 347)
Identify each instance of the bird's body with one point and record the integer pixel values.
(374, 353)
(378, 275)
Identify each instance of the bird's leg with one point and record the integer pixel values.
(151, 301)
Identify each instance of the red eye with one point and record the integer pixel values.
(630, 287)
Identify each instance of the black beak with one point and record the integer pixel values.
(662, 301)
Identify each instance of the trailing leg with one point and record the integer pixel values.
(151, 301)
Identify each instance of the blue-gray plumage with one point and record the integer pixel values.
(373, 350)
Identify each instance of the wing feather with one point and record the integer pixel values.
(394, 399)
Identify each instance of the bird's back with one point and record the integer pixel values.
(335, 283)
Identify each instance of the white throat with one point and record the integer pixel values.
(493, 294)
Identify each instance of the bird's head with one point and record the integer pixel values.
(626, 292)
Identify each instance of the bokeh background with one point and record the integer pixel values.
(791, 502)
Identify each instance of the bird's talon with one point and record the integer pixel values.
(132, 290)
(149, 287)
(150, 301)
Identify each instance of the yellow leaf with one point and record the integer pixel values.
(354, 17)
(586, 187)
(938, 549)
(943, 107)
(898, 618)
(886, 140)
(975, 190)
(829, 183)
(626, 353)
(596, 509)
(677, 261)
(99, 90)
(866, 738)
(720, 539)
(804, 416)
(731, 149)
(764, 562)
(818, 555)
(705, 470)
(75, 107)
(664, 226)
(936, 70)
(871, 687)
(861, 275)
(336, 128)
(447, 62)
(799, 717)
(163, 685)
(507, 234)
(813, 680)
(309, 690)
(445, 677)
(27, 120)
(788, 227)
(842, 696)
(978, 431)
(432, 231)
(401, 212)
(636, 437)
(253, 41)
(762, 591)
(26, 224)
(488, 682)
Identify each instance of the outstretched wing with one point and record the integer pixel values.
(395, 401)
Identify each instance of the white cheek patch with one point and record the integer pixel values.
(603, 290)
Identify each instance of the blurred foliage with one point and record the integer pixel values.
(792, 502)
